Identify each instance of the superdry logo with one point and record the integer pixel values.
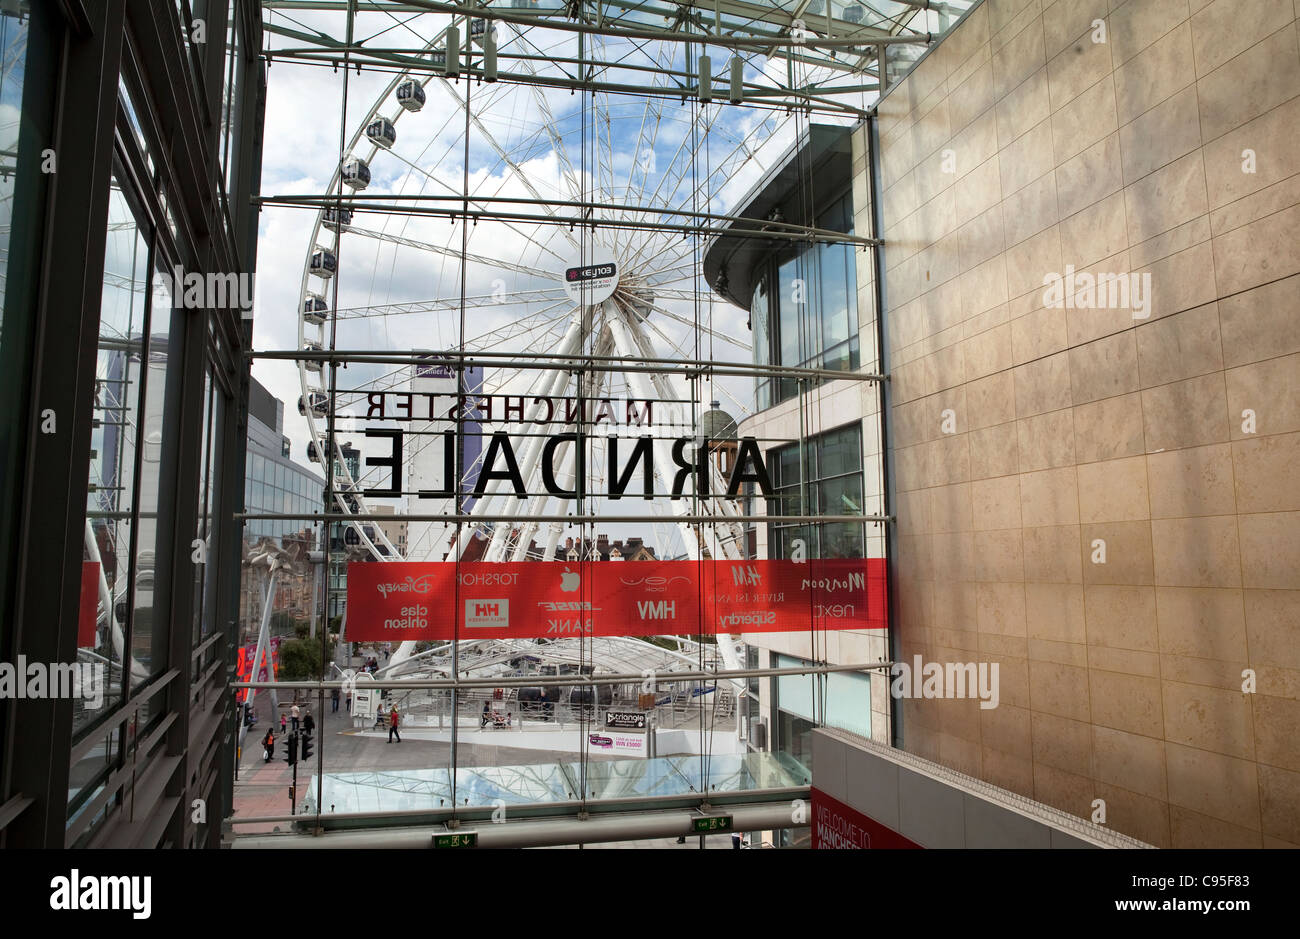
(487, 614)
(591, 272)
(760, 618)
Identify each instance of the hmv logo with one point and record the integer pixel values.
(656, 609)
(746, 577)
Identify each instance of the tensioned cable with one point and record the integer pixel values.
(332, 455)
(460, 449)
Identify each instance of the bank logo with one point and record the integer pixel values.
(487, 614)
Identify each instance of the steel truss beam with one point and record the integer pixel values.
(566, 681)
(726, 24)
(734, 225)
(573, 362)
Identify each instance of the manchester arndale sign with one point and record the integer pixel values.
(689, 462)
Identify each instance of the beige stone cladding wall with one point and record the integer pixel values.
(1170, 149)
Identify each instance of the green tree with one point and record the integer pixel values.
(299, 660)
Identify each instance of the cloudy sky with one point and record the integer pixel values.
(524, 142)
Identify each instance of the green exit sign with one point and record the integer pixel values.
(461, 839)
(712, 823)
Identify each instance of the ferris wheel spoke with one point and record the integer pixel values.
(550, 295)
(505, 158)
(549, 123)
(454, 253)
(706, 330)
(456, 191)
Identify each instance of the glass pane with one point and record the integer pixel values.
(149, 647)
(110, 496)
(791, 301)
(839, 452)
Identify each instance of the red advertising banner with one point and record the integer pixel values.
(88, 614)
(401, 600)
(244, 663)
(839, 826)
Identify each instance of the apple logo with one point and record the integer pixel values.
(569, 581)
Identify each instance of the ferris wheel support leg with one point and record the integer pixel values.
(625, 344)
(552, 386)
(520, 552)
(263, 641)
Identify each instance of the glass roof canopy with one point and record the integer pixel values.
(822, 54)
(481, 787)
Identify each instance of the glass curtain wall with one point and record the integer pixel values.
(804, 311)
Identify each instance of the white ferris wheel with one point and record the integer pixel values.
(460, 206)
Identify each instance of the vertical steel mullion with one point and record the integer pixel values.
(884, 402)
(50, 544)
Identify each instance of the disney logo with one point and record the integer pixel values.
(410, 585)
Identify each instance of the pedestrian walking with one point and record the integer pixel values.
(486, 716)
(293, 716)
(349, 702)
(284, 721)
(334, 701)
(309, 723)
(269, 743)
(393, 721)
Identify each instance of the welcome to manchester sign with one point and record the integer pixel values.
(401, 600)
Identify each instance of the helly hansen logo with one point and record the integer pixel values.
(488, 613)
(656, 609)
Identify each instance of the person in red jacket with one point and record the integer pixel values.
(393, 721)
